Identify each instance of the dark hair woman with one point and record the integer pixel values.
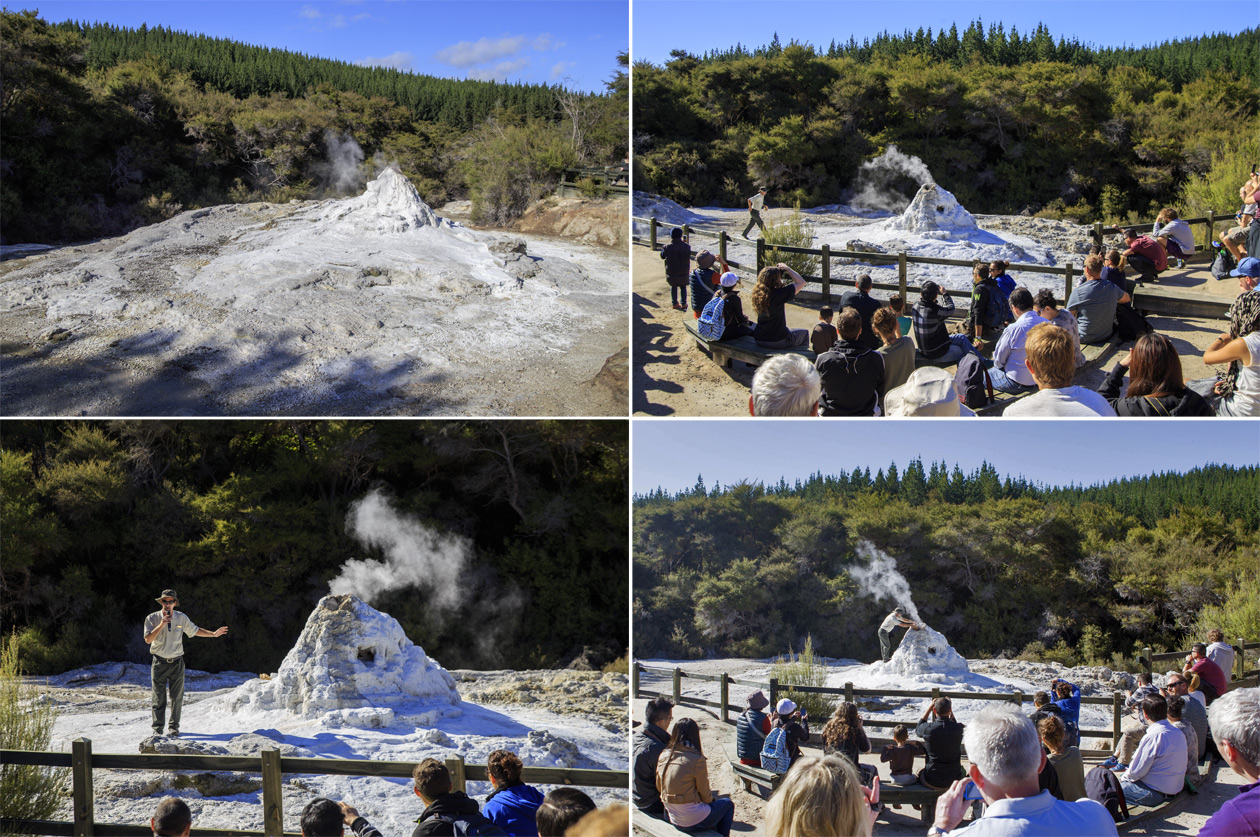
(1156, 386)
(682, 777)
(768, 299)
(843, 735)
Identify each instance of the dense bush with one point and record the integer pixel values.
(26, 723)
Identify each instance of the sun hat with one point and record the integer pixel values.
(167, 594)
(758, 700)
(928, 391)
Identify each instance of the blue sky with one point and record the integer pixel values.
(671, 452)
(574, 43)
(700, 25)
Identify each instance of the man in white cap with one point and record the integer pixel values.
(164, 632)
(928, 392)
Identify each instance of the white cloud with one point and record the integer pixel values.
(481, 51)
(545, 42)
(561, 69)
(397, 60)
(310, 13)
(338, 22)
(499, 71)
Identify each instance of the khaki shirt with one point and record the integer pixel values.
(758, 202)
(169, 642)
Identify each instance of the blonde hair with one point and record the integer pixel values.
(612, 821)
(819, 797)
(1052, 354)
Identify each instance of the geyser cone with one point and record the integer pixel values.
(925, 653)
(934, 210)
(389, 204)
(349, 656)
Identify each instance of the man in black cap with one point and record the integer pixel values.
(164, 631)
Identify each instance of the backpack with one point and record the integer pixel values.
(972, 382)
(1223, 264)
(1130, 324)
(994, 311)
(473, 825)
(712, 322)
(1102, 786)
(774, 754)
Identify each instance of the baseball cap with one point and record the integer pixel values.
(1249, 266)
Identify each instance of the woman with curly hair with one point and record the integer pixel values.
(822, 797)
(843, 735)
(1156, 387)
(768, 298)
(682, 777)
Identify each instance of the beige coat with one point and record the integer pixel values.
(682, 777)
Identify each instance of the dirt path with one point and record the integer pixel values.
(1187, 820)
(670, 376)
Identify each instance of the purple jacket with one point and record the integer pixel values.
(1239, 817)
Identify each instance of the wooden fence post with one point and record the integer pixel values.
(722, 245)
(459, 781)
(1240, 662)
(1211, 230)
(901, 278)
(1145, 659)
(81, 779)
(1098, 236)
(677, 686)
(724, 695)
(761, 253)
(687, 232)
(634, 680)
(826, 274)
(1067, 282)
(273, 794)
(652, 233)
(936, 693)
(848, 693)
(1117, 712)
(1019, 699)
(774, 691)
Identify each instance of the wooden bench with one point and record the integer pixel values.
(663, 828)
(749, 775)
(741, 348)
(920, 795)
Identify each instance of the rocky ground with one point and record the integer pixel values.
(339, 307)
(590, 694)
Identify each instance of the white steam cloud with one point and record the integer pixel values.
(415, 555)
(880, 580)
(882, 182)
(342, 169)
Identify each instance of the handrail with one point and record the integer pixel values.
(269, 763)
(1146, 659)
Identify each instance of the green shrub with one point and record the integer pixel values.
(592, 188)
(1238, 615)
(621, 665)
(1217, 189)
(804, 669)
(1095, 646)
(796, 230)
(26, 722)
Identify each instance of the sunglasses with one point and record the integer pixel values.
(167, 601)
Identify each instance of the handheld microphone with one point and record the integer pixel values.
(168, 624)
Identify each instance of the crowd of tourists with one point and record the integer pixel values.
(875, 358)
(1024, 773)
(512, 808)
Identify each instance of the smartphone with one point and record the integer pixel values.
(972, 792)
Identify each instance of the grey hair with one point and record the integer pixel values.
(785, 385)
(1235, 717)
(1003, 745)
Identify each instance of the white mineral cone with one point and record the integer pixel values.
(926, 653)
(934, 209)
(349, 656)
(390, 204)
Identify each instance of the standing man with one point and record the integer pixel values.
(893, 621)
(755, 204)
(164, 632)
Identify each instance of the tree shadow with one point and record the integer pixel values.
(652, 336)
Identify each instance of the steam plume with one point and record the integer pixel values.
(880, 580)
(345, 156)
(415, 555)
(882, 182)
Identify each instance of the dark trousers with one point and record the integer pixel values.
(1144, 266)
(167, 675)
(885, 644)
(678, 294)
(754, 217)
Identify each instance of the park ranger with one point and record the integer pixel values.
(896, 619)
(164, 631)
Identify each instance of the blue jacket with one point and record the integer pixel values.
(1071, 706)
(750, 735)
(513, 809)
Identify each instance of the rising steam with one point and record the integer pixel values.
(415, 555)
(880, 580)
(342, 170)
(889, 181)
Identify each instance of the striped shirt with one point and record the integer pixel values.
(929, 325)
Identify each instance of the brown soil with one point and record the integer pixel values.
(603, 222)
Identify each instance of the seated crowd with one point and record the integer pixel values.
(512, 808)
(865, 363)
(1025, 773)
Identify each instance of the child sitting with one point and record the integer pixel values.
(898, 305)
(900, 756)
(824, 335)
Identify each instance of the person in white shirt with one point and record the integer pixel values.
(1158, 769)
(164, 632)
(1221, 652)
(1009, 372)
(1051, 360)
(893, 621)
(755, 204)
(1006, 758)
(1237, 393)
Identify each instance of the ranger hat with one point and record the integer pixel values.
(167, 594)
(758, 700)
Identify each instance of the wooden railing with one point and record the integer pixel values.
(612, 180)
(775, 689)
(269, 763)
(1209, 233)
(1147, 660)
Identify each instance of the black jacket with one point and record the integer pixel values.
(943, 741)
(866, 305)
(436, 819)
(1187, 402)
(648, 743)
(852, 379)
